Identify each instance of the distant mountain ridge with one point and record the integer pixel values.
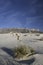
(19, 30)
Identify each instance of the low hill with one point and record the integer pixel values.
(19, 30)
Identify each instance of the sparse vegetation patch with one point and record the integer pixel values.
(37, 34)
(41, 39)
(22, 50)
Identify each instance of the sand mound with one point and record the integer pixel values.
(7, 60)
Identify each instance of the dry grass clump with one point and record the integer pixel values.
(17, 36)
(25, 35)
(37, 34)
(41, 39)
(22, 50)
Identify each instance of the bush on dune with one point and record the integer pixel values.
(22, 51)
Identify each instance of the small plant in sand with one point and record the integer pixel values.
(37, 34)
(22, 50)
(41, 39)
(25, 35)
(17, 36)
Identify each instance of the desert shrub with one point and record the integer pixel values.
(37, 34)
(22, 50)
(41, 39)
(25, 35)
(17, 36)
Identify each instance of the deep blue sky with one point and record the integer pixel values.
(21, 13)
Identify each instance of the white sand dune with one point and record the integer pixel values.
(10, 40)
(38, 59)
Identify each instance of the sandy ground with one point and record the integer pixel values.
(10, 40)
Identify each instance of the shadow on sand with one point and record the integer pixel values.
(29, 62)
(8, 51)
